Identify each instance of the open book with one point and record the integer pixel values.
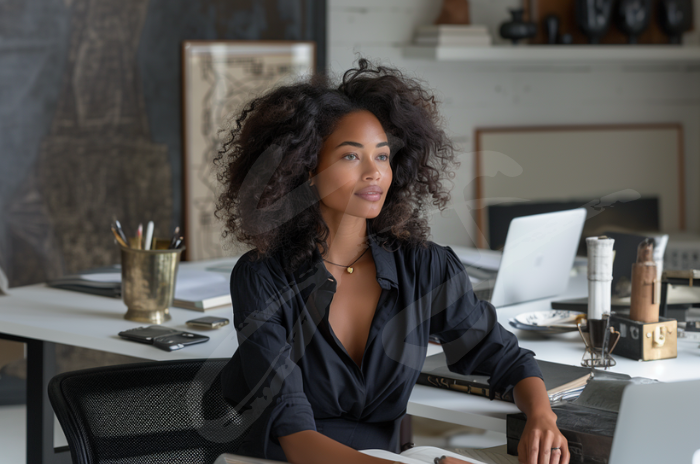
(416, 455)
(427, 454)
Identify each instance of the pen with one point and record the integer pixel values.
(179, 242)
(121, 233)
(149, 236)
(119, 239)
(176, 234)
(139, 237)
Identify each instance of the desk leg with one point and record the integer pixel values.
(41, 367)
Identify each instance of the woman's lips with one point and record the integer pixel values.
(370, 196)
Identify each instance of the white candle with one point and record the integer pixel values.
(600, 262)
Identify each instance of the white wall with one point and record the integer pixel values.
(480, 95)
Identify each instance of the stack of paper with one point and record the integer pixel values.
(201, 290)
(453, 35)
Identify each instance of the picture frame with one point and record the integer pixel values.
(590, 161)
(218, 79)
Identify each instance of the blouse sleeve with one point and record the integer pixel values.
(472, 339)
(271, 383)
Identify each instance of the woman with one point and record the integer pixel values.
(335, 304)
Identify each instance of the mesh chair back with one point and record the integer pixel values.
(147, 413)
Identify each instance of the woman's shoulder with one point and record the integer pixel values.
(427, 251)
(430, 260)
(253, 265)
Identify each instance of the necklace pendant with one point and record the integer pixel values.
(349, 270)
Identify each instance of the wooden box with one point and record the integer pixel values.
(645, 341)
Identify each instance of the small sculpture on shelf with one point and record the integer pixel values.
(517, 28)
(593, 17)
(633, 17)
(675, 18)
(453, 28)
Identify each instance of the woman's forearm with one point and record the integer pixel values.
(309, 447)
(530, 396)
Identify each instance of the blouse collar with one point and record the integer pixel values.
(383, 259)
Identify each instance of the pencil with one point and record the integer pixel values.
(176, 234)
(120, 231)
(119, 239)
(139, 237)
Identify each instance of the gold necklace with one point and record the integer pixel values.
(348, 267)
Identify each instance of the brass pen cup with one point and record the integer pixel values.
(148, 283)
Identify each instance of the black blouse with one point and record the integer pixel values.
(291, 373)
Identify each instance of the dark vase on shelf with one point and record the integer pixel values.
(675, 17)
(633, 17)
(593, 17)
(517, 29)
(551, 24)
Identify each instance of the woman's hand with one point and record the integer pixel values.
(542, 442)
(541, 433)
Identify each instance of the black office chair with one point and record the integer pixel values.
(147, 413)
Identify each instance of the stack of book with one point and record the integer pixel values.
(453, 35)
(562, 381)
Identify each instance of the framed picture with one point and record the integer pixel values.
(219, 78)
(592, 163)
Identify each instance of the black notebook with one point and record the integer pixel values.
(562, 381)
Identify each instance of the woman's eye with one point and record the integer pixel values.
(384, 157)
(350, 154)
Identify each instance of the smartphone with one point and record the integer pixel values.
(178, 340)
(164, 338)
(208, 322)
(147, 334)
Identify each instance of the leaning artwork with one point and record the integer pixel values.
(218, 78)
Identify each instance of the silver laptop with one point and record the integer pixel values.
(658, 423)
(537, 258)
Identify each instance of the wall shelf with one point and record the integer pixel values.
(565, 54)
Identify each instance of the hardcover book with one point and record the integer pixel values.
(562, 381)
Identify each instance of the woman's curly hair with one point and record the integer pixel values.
(274, 145)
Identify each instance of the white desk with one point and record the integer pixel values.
(89, 321)
(42, 316)
(565, 348)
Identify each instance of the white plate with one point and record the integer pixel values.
(552, 321)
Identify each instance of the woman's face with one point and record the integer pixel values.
(353, 174)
